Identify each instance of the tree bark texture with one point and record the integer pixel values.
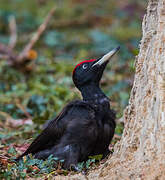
(141, 152)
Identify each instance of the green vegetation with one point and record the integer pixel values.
(79, 30)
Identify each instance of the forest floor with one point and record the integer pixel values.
(36, 90)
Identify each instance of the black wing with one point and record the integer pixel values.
(48, 137)
(54, 130)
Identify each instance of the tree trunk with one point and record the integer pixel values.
(141, 152)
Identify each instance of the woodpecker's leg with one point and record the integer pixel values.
(72, 157)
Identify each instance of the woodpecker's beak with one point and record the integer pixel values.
(106, 57)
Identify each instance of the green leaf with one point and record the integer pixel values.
(12, 151)
(96, 157)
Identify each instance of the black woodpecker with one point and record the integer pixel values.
(84, 127)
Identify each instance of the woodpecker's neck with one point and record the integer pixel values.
(92, 93)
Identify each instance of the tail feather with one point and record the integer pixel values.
(37, 145)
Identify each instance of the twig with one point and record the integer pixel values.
(6, 115)
(3, 157)
(21, 107)
(3, 56)
(13, 32)
(21, 60)
(36, 36)
(7, 53)
(4, 49)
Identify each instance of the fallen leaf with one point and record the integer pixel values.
(21, 148)
(4, 162)
(19, 122)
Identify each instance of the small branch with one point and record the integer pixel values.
(21, 60)
(7, 53)
(6, 115)
(4, 49)
(3, 56)
(13, 32)
(36, 36)
(22, 108)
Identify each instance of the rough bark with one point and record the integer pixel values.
(141, 152)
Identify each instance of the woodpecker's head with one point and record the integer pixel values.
(90, 71)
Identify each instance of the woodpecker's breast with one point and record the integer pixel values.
(102, 103)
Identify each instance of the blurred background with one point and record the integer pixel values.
(77, 31)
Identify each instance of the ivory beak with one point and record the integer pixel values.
(106, 57)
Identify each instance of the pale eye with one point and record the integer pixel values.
(85, 66)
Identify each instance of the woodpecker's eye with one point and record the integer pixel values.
(84, 66)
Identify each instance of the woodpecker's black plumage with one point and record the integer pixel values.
(84, 127)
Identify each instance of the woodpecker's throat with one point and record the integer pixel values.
(92, 93)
